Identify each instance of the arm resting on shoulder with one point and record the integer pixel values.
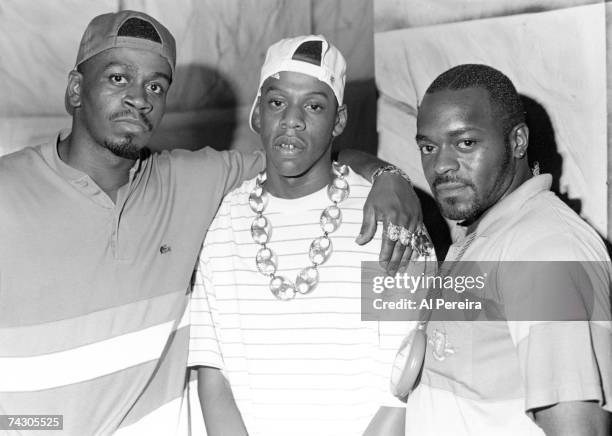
(392, 199)
(241, 166)
(221, 414)
(573, 418)
(361, 162)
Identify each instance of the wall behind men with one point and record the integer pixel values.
(221, 46)
(554, 52)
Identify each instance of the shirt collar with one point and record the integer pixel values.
(510, 205)
(51, 155)
(498, 216)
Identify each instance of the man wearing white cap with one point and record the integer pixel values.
(277, 291)
(99, 240)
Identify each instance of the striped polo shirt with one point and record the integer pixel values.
(93, 294)
(308, 366)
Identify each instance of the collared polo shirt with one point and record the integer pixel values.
(487, 377)
(93, 293)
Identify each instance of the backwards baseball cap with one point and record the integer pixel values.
(313, 55)
(130, 29)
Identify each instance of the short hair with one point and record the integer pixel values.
(504, 97)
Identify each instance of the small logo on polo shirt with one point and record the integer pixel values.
(165, 249)
(441, 347)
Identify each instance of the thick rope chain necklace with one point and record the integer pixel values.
(320, 248)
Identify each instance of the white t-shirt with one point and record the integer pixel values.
(308, 366)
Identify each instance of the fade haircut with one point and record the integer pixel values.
(506, 102)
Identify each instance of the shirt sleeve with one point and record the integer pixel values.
(564, 361)
(211, 174)
(559, 321)
(204, 343)
(241, 166)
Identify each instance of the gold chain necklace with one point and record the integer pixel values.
(320, 248)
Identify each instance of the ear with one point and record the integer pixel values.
(341, 118)
(73, 90)
(519, 140)
(256, 118)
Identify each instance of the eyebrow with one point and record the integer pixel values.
(463, 130)
(456, 132)
(118, 64)
(163, 75)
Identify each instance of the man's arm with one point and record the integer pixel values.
(391, 200)
(219, 410)
(574, 418)
(241, 166)
(565, 362)
(221, 414)
(388, 421)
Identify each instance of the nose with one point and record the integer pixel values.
(293, 118)
(445, 160)
(136, 97)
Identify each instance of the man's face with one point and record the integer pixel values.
(297, 117)
(123, 98)
(465, 155)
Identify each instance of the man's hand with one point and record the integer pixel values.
(392, 200)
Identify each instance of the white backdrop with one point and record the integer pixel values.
(220, 48)
(557, 58)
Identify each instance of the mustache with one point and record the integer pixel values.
(450, 179)
(128, 114)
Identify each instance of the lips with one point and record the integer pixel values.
(289, 145)
(132, 122)
(451, 190)
(449, 186)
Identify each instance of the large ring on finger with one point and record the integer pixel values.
(421, 243)
(406, 237)
(393, 232)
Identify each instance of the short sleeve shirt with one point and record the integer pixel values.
(93, 293)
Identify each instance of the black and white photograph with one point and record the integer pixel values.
(306, 217)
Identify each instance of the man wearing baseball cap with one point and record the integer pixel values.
(100, 237)
(277, 293)
(99, 241)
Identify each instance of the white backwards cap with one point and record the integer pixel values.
(313, 55)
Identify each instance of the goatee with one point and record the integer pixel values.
(126, 149)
